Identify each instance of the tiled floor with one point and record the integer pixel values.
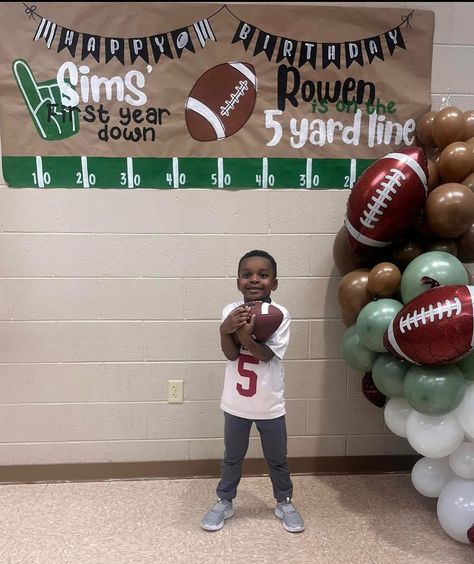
(349, 519)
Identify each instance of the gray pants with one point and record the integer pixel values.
(236, 442)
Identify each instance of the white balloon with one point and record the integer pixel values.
(462, 461)
(434, 437)
(465, 411)
(456, 508)
(396, 413)
(430, 475)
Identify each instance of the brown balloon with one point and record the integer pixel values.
(469, 181)
(384, 279)
(449, 209)
(348, 318)
(468, 124)
(470, 141)
(352, 292)
(444, 245)
(433, 175)
(424, 130)
(456, 161)
(465, 245)
(404, 252)
(344, 259)
(423, 230)
(448, 127)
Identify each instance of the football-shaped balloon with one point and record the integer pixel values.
(221, 101)
(435, 327)
(267, 320)
(386, 200)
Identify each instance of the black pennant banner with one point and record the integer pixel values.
(138, 47)
(182, 40)
(354, 53)
(160, 46)
(47, 30)
(308, 52)
(331, 54)
(244, 33)
(373, 48)
(359, 51)
(287, 50)
(266, 44)
(68, 40)
(91, 46)
(114, 48)
(204, 32)
(394, 39)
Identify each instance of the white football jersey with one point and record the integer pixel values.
(254, 389)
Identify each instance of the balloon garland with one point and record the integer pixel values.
(431, 404)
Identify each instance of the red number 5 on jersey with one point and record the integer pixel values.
(250, 374)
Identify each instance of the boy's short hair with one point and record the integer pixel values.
(257, 253)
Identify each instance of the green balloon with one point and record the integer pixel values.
(388, 374)
(354, 353)
(434, 390)
(373, 321)
(466, 366)
(438, 265)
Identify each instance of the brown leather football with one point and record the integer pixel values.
(268, 319)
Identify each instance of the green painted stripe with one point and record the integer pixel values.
(167, 173)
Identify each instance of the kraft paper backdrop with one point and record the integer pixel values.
(114, 48)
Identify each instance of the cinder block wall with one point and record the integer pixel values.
(106, 295)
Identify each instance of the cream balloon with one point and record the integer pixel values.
(434, 437)
(395, 414)
(430, 475)
(465, 411)
(461, 461)
(456, 508)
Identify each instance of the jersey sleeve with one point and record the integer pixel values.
(229, 308)
(278, 342)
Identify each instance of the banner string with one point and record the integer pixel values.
(406, 19)
(31, 11)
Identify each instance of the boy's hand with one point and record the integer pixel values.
(236, 319)
(245, 331)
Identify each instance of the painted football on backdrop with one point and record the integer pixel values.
(386, 200)
(268, 319)
(221, 101)
(436, 327)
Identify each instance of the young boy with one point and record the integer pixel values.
(253, 392)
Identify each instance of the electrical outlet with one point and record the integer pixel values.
(175, 391)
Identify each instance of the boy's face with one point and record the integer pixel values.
(256, 279)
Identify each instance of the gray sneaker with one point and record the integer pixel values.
(292, 521)
(213, 520)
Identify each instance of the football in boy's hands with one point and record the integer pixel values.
(268, 319)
